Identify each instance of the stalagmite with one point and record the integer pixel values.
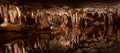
(1, 16)
(12, 14)
(5, 15)
(110, 18)
(37, 17)
(0, 10)
(18, 14)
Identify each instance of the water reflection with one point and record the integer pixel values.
(64, 41)
(58, 30)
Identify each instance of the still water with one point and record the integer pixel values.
(94, 39)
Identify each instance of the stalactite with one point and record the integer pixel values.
(44, 17)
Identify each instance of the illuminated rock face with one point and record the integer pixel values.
(59, 16)
(9, 14)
